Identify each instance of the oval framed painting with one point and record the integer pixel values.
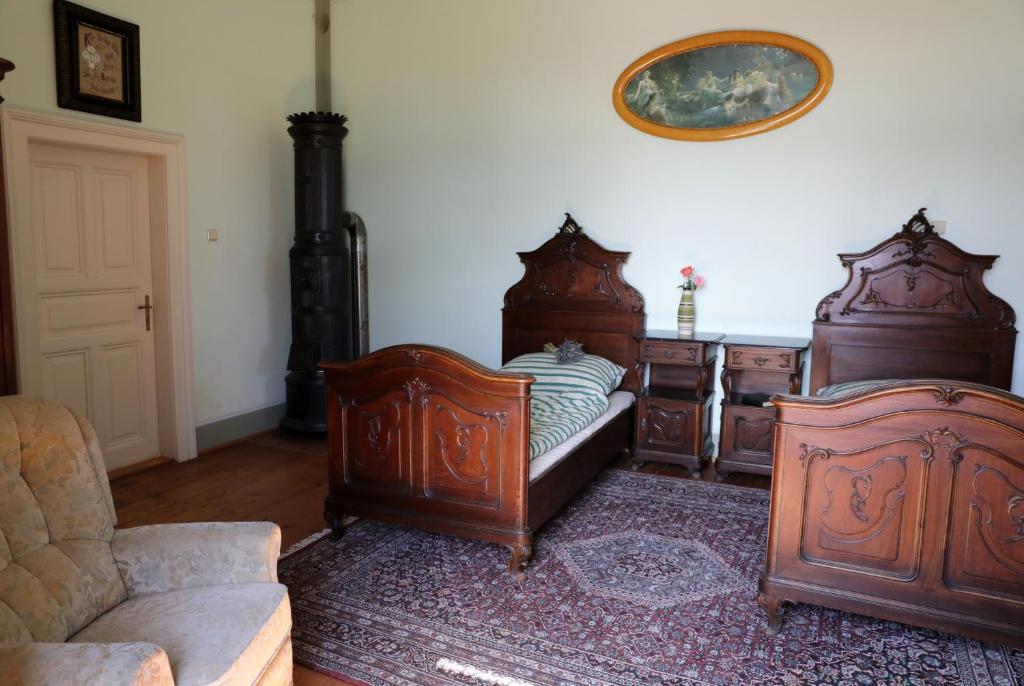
(723, 85)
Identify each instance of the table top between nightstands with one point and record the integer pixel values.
(706, 337)
(767, 341)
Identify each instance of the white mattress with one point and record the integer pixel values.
(618, 402)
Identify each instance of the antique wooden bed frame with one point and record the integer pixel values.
(905, 501)
(423, 437)
(914, 306)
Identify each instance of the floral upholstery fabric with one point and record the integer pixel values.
(59, 664)
(57, 572)
(212, 634)
(165, 604)
(165, 557)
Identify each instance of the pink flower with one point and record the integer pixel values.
(698, 281)
(686, 271)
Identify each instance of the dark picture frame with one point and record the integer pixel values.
(97, 62)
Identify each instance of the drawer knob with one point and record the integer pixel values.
(760, 361)
(670, 353)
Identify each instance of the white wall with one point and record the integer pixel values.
(224, 73)
(474, 125)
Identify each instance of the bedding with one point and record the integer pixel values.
(590, 373)
(565, 398)
(618, 402)
(838, 389)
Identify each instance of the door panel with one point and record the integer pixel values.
(66, 379)
(124, 392)
(85, 312)
(116, 223)
(90, 270)
(58, 221)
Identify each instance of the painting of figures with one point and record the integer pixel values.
(723, 85)
(727, 85)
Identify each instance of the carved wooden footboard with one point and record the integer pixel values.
(906, 503)
(424, 437)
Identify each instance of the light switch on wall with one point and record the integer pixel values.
(212, 235)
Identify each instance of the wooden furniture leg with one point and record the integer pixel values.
(773, 608)
(520, 557)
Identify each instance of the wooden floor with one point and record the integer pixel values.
(276, 476)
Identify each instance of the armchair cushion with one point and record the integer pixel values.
(56, 521)
(59, 664)
(165, 557)
(212, 634)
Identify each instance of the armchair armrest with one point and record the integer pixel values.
(66, 664)
(165, 557)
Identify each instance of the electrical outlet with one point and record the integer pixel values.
(213, 235)
(940, 226)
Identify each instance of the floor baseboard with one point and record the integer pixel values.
(137, 467)
(226, 432)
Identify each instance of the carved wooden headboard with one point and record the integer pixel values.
(914, 306)
(573, 288)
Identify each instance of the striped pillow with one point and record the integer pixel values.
(590, 375)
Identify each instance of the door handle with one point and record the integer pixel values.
(149, 309)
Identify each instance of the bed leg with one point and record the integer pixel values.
(335, 523)
(520, 557)
(773, 607)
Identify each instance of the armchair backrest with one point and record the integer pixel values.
(57, 518)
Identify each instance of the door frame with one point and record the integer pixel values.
(168, 247)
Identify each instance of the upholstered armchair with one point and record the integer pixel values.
(83, 603)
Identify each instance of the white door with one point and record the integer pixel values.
(86, 264)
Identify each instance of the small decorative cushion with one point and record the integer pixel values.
(569, 351)
(589, 375)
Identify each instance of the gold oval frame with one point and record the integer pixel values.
(706, 40)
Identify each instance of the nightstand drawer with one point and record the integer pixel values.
(672, 353)
(766, 359)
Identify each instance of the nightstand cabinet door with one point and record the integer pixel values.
(665, 426)
(747, 438)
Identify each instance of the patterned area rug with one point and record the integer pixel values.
(641, 580)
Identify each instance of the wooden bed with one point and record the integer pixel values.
(914, 306)
(905, 501)
(423, 437)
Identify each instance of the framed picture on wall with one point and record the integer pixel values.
(97, 62)
(723, 85)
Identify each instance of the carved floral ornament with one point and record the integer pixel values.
(948, 396)
(572, 266)
(916, 272)
(416, 387)
(941, 437)
(569, 227)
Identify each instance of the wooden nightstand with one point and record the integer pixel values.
(755, 368)
(673, 420)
